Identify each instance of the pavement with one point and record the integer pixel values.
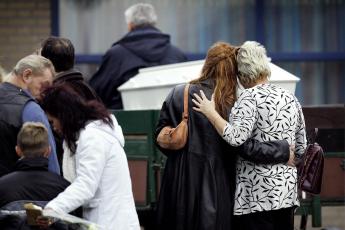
(333, 218)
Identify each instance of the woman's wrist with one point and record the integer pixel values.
(213, 117)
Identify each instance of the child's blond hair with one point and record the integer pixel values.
(32, 139)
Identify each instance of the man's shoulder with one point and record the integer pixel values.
(117, 49)
(33, 106)
(13, 94)
(176, 53)
(69, 75)
(40, 177)
(33, 112)
(55, 177)
(8, 182)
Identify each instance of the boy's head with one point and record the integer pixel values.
(32, 140)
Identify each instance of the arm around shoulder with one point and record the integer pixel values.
(272, 152)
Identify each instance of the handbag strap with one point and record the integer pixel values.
(185, 102)
(312, 135)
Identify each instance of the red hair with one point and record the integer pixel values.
(221, 66)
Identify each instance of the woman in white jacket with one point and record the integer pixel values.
(102, 185)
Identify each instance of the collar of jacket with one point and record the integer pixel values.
(209, 83)
(32, 164)
(21, 91)
(141, 31)
(69, 75)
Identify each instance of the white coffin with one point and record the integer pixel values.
(149, 88)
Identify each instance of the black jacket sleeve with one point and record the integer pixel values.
(272, 152)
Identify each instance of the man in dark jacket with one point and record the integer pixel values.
(31, 179)
(143, 46)
(31, 75)
(60, 51)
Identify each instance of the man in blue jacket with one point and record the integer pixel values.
(143, 46)
(31, 75)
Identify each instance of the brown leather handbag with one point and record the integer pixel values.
(176, 138)
(311, 169)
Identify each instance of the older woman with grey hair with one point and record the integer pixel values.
(266, 195)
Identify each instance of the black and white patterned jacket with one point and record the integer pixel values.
(266, 112)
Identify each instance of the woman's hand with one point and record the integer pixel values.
(292, 161)
(203, 105)
(207, 107)
(44, 222)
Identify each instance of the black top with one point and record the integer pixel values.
(140, 48)
(31, 180)
(197, 190)
(12, 102)
(76, 80)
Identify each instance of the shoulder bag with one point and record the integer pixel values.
(176, 138)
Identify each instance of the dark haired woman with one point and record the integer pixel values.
(198, 185)
(102, 185)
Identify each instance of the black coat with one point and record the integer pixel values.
(31, 181)
(199, 181)
(12, 102)
(140, 48)
(75, 80)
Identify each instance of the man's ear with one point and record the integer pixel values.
(19, 151)
(130, 26)
(47, 152)
(27, 75)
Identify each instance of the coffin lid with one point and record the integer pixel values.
(179, 73)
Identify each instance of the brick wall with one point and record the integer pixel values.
(23, 25)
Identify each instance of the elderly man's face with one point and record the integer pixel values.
(37, 83)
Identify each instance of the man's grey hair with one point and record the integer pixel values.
(253, 63)
(36, 63)
(141, 14)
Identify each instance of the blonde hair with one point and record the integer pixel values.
(253, 64)
(220, 66)
(33, 139)
(36, 63)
